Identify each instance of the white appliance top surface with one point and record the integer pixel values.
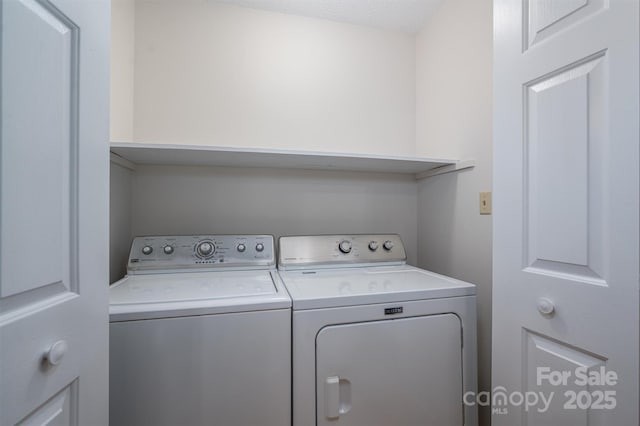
(325, 288)
(195, 293)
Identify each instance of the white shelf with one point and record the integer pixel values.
(188, 155)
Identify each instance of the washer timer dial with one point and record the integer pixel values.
(205, 249)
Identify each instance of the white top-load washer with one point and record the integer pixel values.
(200, 334)
(376, 342)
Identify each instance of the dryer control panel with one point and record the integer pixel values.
(336, 250)
(156, 254)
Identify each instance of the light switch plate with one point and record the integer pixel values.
(485, 203)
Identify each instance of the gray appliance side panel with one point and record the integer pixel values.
(402, 372)
(227, 369)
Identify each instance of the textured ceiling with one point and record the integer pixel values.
(401, 15)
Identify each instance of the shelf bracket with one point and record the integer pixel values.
(121, 161)
(460, 165)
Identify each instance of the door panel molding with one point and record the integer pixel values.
(564, 150)
(544, 18)
(60, 410)
(39, 217)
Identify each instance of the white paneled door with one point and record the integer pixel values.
(566, 237)
(53, 216)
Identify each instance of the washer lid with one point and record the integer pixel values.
(326, 288)
(195, 293)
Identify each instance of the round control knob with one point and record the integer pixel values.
(387, 245)
(168, 249)
(345, 246)
(259, 247)
(205, 249)
(373, 246)
(241, 247)
(147, 250)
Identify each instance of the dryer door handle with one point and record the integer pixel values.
(337, 397)
(332, 397)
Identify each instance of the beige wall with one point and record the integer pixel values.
(224, 200)
(453, 119)
(122, 69)
(216, 74)
(155, 200)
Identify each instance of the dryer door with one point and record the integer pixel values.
(402, 372)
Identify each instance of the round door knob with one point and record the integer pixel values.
(387, 245)
(546, 306)
(168, 249)
(147, 250)
(241, 247)
(56, 352)
(205, 249)
(259, 247)
(373, 246)
(345, 246)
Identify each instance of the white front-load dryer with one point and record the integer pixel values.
(200, 334)
(376, 342)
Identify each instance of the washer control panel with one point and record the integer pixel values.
(155, 254)
(301, 251)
